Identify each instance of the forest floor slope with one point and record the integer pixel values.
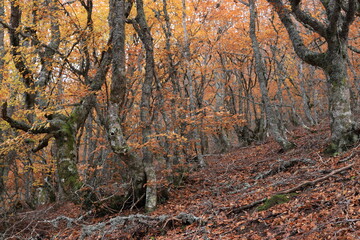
(254, 192)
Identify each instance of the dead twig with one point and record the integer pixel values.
(282, 166)
(312, 183)
(347, 158)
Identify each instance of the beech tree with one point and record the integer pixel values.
(142, 170)
(63, 128)
(271, 117)
(116, 100)
(119, 11)
(333, 27)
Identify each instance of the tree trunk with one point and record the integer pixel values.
(172, 71)
(188, 77)
(66, 151)
(305, 98)
(342, 126)
(335, 30)
(143, 30)
(117, 17)
(261, 73)
(221, 139)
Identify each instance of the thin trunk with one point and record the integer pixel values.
(221, 138)
(188, 77)
(305, 98)
(46, 56)
(174, 160)
(261, 73)
(143, 31)
(282, 76)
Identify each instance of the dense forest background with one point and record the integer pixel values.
(109, 104)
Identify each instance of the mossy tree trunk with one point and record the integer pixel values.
(341, 123)
(334, 29)
(63, 128)
(65, 143)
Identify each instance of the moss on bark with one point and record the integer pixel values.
(275, 200)
(67, 156)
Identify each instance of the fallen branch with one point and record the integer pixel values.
(312, 183)
(282, 166)
(348, 221)
(291, 190)
(347, 158)
(69, 221)
(248, 206)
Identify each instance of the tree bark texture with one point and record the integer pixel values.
(143, 31)
(335, 31)
(188, 77)
(117, 18)
(273, 121)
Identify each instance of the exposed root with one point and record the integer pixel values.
(134, 221)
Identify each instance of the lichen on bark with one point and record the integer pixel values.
(66, 157)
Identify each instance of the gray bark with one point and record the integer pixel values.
(282, 74)
(115, 133)
(188, 77)
(221, 138)
(48, 54)
(261, 74)
(305, 98)
(174, 160)
(143, 31)
(117, 18)
(335, 31)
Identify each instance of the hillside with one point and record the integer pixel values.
(320, 200)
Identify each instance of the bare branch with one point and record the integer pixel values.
(307, 20)
(13, 123)
(313, 58)
(350, 17)
(23, 126)
(43, 143)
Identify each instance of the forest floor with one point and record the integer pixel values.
(254, 192)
